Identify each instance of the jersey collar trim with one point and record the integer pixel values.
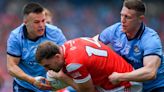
(140, 31)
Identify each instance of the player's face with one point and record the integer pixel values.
(129, 20)
(35, 24)
(55, 63)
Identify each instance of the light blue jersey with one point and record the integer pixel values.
(146, 42)
(19, 45)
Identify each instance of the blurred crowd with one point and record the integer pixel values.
(77, 18)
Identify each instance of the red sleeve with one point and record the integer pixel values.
(78, 72)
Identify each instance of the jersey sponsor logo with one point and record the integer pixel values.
(32, 63)
(118, 43)
(73, 48)
(70, 42)
(119, 47)
(127, 49)
(134, 60)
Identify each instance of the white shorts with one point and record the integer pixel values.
(136, 87)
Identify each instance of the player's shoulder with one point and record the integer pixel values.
(17, 32)
(149, 33)
(150, 39)
(52, 28)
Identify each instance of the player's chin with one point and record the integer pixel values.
(124, 30)
(40, 33)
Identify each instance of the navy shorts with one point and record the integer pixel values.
(18, 88)
(161, 89)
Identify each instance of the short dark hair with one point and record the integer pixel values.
(32, 8)
(46, 50)
(137, 5)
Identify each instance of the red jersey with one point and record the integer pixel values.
(87, 59)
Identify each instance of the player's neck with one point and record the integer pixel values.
(33, 37)
(133, 33)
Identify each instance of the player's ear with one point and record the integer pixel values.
(58, 56)
(25, 21)
(142, 17)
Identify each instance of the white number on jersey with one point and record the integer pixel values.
(92, 41)
(90, 50)
(98, 52)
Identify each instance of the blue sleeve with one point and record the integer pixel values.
(152, 45)
(13, 45)
(55, 34)
(61, 38)
(107, 34)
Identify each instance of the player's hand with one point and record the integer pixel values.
(55, 75)
(42, 83)
(114, 78)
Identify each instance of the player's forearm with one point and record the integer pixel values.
(138, 75)
(147, 72)
(69, 81)
(15, 71)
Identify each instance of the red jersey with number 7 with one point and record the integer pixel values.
(87, 59)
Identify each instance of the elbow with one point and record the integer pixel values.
(151, 75)
(9, 71)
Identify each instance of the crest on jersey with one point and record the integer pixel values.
(136, 49)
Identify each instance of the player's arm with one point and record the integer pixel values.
(86, 87)
(15, 71)
(147, 72)
(80, 87)
(62, 77)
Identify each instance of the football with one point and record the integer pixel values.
(56, 84)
